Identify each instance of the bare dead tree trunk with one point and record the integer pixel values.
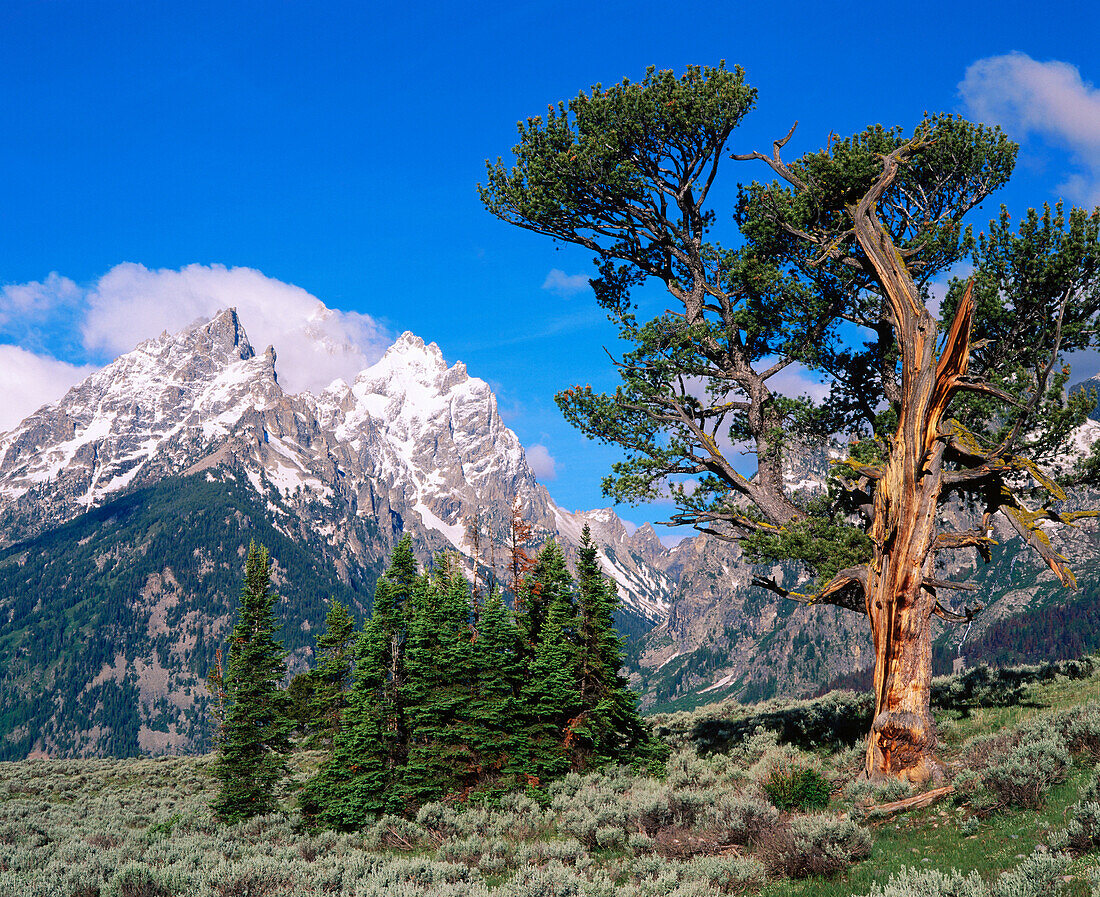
(902, 741)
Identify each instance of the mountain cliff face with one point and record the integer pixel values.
(127, 506)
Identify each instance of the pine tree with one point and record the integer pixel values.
(359, 779)
(394, 598)
(551, 695)
(611, 725)
(332, 675)
(356, 781)
(254, 732)
(548, 580)
(834, 254)
(441, 683)
(495, 712)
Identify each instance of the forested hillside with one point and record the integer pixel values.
(114, 620)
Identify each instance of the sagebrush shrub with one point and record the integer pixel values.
(1082, 832)
(1040, 875)
(1031, 768)
(1081, 729)
(729, 874)
(740, 818)
(813, 845)
(138, 880)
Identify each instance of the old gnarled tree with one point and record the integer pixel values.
(828, 266)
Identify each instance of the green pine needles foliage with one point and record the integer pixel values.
(254, 731)
(458, 699)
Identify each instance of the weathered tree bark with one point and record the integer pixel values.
(902, 742)
(917, 802)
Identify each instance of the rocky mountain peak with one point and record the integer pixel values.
(221, 338)
(145, 414)
(410, 352)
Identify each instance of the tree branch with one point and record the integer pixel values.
(838, 591)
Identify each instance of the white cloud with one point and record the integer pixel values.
(1049, 99)
(315, 344)
(795, 380)
(34, 300)
(29, 381)
(565, 285)
(541, 462)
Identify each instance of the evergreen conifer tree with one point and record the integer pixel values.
(441, 682)
(254, 732)
(332, 676)
(551, 695)
(496, 737)
(359, 779)
(611, 723)
(394, 598)
(548, 580)
(356, 781)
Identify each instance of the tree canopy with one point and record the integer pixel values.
(831, 268)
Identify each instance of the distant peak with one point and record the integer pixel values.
(408, 338)
(226, 333)
(410, 343)
(220, 335)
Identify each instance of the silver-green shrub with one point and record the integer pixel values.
(1040, 875)
(1023, 777)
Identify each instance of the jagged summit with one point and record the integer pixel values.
(412, 443)
(409, 344)
(221, 335)
(149, 410)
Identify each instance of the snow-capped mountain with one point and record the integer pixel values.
(412, 442)
(155, 409)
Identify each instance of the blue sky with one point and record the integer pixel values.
(336, 147)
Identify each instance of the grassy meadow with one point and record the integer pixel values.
(1024, 820)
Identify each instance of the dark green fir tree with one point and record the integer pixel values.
(440, 686)
(394, 598)
(610, 727)
(551, 694)
(548, 580)
(496, 739)
(359, 779)
(331, 678)
(254, 732)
